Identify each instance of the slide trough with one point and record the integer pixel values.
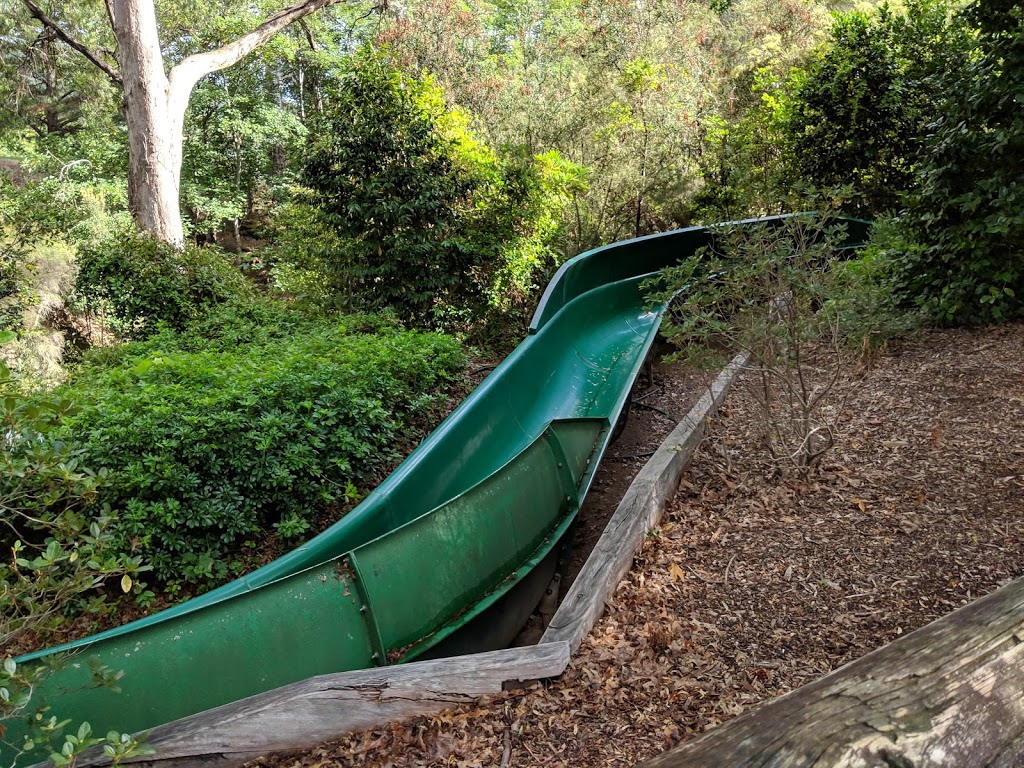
(462, 521)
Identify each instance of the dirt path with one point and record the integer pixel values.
(752, 587)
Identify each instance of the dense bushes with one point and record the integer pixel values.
(424, 218)
(964, 226)
(853, 116)
(136, 283)
(921, 113)
(912, 114)
(56, 553)
(12, 290)
(207, 447)
(860, 108)
(58, 559)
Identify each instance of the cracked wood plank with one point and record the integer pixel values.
(638, 512)
(330, 706)
(949, 694)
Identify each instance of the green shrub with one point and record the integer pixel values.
(964, 262)
(57, 542)
(859, 109)
(137, 283)
(783, 294)
(13, 291)
(424, 218)
(865, 305)
(205, 448)
(58, 556)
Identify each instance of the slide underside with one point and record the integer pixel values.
(464, 519)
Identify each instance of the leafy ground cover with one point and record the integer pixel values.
(214, 451)
(206, 449)
(752, 587)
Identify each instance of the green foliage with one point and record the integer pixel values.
(137, 283)
(864, 99)
(207, 447)
(386, 180)
(71, 203)
(626, 90)
(45, 88)
(13, 290)
(529, 206)
(852, 114)
(424, 214)
(59, 542)
(777, 293)
(965, 224)
(49, 736)
(40, 213)
(237, 145)
(863, 299)
(30, 213)
(747, 165)
(297, 257)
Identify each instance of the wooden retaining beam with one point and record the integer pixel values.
(327, 707)
(949, 694)
(638, 512)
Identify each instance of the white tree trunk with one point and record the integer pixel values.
(155, 104)
(155, 115)
(155, 101)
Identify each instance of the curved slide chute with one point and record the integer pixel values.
(463, 520)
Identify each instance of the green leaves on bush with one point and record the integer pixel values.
(859, 109)
(137, 283)
(965, 223)
(207, 448)
(13, 294)
(424, 218)
(56, 553)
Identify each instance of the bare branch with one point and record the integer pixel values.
(188, 72)
(49, 23)
(313, 44)
(110, 12)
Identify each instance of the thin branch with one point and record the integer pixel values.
(110, 13)
(46, 21)
(313, 44)
(189, 71)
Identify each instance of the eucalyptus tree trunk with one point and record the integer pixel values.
(156, 115)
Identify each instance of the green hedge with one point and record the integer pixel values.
(139, 284)
(206, 448)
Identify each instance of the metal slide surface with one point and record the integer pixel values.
(463, 519)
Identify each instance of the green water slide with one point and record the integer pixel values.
(464, 520)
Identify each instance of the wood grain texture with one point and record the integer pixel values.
(639, 511)
(949, 694)
(330, 706)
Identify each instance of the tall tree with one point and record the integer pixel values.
(44, 90)
(155, 98)
(618, 87)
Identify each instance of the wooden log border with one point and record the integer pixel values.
(948, 694)
(638, 512)
(327, 707)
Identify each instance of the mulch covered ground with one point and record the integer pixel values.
(754, 585)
